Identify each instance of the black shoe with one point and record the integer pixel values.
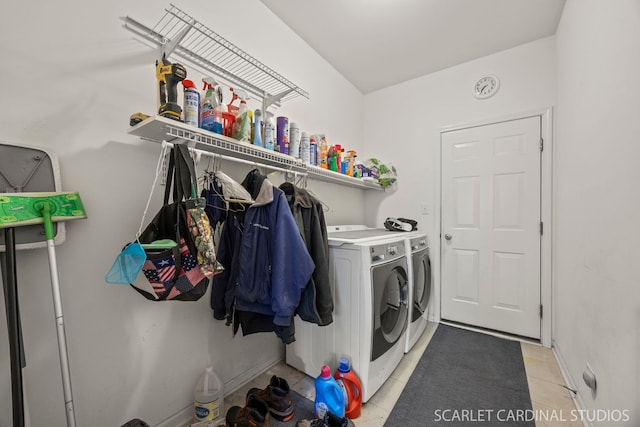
(277, 397)
(254, 414)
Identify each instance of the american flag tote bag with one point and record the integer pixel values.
(171, 269)
(171, 281)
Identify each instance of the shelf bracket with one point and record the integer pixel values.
(168, 47)
(275, 99)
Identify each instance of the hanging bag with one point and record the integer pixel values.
(171, 267)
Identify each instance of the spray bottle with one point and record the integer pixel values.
(242, 123)
(191, 103)
(209, 102)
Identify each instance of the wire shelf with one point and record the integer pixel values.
(160, 129)
(178, 32)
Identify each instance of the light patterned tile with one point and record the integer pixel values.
(371, 416)
(388, 394)
(550, 394)
(305, 387)
(404, 369)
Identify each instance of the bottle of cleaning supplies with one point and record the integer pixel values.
(191, 103)
(269, 132)
(324, 151)
(282, 134)
(257, 128)
(208, 397)
(351, 388)
(313, 151)
(242, 124)
(208, 103)
(305, 156)
(218, 118)
(329, 396)
(294, 140)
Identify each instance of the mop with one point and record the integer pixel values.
(21, 209)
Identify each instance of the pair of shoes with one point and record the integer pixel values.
(276, 396)
(274, 400)
(254, 414)
(329, 420)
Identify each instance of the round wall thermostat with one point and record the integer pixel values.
(486, 87)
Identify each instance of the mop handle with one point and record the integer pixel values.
(45, 209)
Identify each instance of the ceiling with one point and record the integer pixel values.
(379, 43)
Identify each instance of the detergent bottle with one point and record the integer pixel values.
(351, 388)
(208, 397)
(329, 396)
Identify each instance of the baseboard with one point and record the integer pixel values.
(184, 417)
(577, 398)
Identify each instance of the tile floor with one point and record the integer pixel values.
(546, 386)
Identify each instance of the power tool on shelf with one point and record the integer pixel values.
(169, 75)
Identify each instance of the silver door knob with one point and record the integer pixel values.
(448, 236)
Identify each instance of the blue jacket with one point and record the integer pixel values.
(268, 262)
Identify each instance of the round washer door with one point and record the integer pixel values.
(421, 284)
(390, 311)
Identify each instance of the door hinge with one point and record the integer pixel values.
(541, 144)
(541, 311)
(541, 228)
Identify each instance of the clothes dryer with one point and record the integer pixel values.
(419, 288)
(370, 287)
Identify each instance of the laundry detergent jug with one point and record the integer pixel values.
(329, 396)
(351, 388)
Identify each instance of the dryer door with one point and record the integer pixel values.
(390, 311)
(421, 284)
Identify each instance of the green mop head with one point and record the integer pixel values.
(19, 209)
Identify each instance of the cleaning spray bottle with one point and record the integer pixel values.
(242, 123)
(351, 388)
(208, 397)
(209, 102)
(329, 396)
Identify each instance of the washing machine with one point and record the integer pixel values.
(419, 288)
(369, 271)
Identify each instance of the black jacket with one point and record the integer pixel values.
(316, 305)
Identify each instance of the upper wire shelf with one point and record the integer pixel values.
(179, 33)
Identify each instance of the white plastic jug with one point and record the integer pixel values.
(208, 397)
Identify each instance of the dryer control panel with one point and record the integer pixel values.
(386, 252)
(418, 243)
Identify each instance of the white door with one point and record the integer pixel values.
(490, 236)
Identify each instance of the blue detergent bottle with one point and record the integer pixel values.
(329, 395)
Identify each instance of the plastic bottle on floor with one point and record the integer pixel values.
(351, 388)
(208, 397)
(329, 396)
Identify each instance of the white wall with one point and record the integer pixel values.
(403, 125)
(71, 77)
(597, 215)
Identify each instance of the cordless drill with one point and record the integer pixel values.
(169, 75)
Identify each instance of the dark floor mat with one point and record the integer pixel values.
(302, 407)
(466, 378)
